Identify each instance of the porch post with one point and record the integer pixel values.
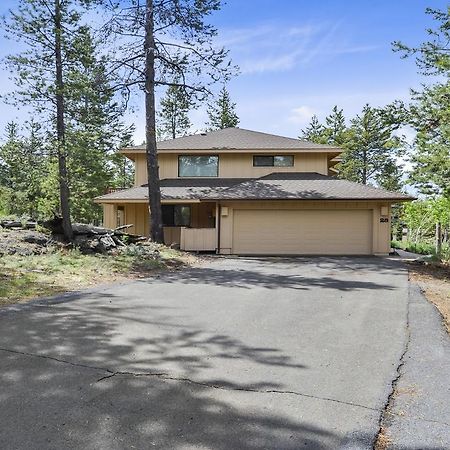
(217, 228)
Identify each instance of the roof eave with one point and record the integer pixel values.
(359, 199)
(144, 200)
(140, 151)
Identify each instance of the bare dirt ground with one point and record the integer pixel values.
(434, 280)
(32, 265)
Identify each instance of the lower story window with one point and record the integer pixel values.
(176, 215)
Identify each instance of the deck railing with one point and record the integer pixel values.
(198, 239)
(191, 239)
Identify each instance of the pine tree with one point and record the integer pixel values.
(432, 57)
(24, 165)
(430, 116)
(335, 129)
(159, 42)
(123, 168)
(174, 113)
(314, 132)
(222, 113)
(77, 101)
(429, 113)
(94, 128)
(48, 32)
(371, 149)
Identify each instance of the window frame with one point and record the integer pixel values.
(202, 176)
(173, 207)
(273, 157)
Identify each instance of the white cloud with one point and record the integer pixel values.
(272, 47)
(301, 115)
(276, 63)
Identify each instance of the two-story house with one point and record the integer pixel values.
(236, 191)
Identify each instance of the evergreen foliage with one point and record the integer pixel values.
(371, 147)
(164, 43)
(174, 113)
(429, 112)
(81, 120)
(222, 113)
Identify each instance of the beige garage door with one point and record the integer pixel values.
(307, 232)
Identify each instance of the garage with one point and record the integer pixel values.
(306, 232)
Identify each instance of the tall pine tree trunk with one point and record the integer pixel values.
(154, 192)
(60, 129)
(438, 239)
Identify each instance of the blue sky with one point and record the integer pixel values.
(301, 57)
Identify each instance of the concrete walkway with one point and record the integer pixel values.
(263, 353)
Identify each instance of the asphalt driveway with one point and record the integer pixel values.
(266, 353)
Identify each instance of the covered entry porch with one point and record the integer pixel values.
(189, 225)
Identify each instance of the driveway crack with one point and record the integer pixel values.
(165, 376)
(386, 410)
(59, 360)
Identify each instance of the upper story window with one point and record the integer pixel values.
(273, 161)
(198, 166)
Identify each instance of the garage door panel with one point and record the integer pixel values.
(302, 232)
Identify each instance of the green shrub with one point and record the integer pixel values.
(422, 248)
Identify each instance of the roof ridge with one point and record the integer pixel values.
(236, 138)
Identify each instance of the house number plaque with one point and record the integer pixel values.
(384, 219)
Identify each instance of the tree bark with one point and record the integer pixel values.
(64, 194)
(154, 191)
(438, 239)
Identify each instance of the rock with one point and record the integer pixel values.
(36, 238)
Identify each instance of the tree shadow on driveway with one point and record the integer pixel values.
(248, 279)
(63, 382)
(58, 388)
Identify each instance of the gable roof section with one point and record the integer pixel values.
(236, 139)
(276, 186)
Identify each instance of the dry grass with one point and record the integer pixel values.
(25, 277)
(383, 440)
(434, 280)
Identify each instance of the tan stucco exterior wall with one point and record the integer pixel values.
(135, 214)
(380, 229)
(234, 165)
(202, 216)
(109, 215)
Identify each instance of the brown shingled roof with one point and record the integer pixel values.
(304, 186)
(175, 189)
(276, 186)
(237, 139)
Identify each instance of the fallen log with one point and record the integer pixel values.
(123, 227)
(11, 224)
